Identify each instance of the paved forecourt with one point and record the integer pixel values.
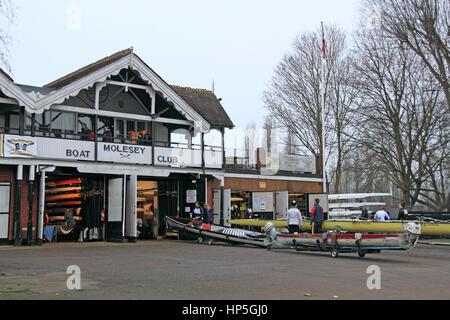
(171, 269)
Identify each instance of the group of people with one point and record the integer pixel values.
(202, 215)
(236, 213)
(294, 218)
(383, 215)
(87, 134)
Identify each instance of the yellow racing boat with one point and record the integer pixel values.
(428, 228)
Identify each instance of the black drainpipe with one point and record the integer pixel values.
(30, 205)
(17, 240)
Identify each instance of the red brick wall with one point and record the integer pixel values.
(272, 185)
(210, 192)
(24, 207)
(247, 184)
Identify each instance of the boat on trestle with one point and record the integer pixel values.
(337, 242)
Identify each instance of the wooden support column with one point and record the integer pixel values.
(205, 190)
(223, 147)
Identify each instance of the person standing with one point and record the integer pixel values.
(294, 218)
(107, 134)
(317, 217)
(248, 213)
(85, 132)
(198, 215)
(208, 213)
(402, 212)
(381, 215)
(364, 213)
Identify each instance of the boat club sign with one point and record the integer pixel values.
(19, 146)
(62, 149)
(178, 157)
(46, 148)
(122, 153)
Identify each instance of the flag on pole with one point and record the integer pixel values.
(323, 42)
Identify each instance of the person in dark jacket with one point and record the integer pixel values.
(317, 217)
(364, 213)
(402, 212)
(85, 134)
(208, 213)
(107, 135)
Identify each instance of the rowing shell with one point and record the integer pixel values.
(58, 190)
(220, 233)
(63, 203)
(62, 182)
(400, 241)
(67, 196)
(335, 241)
(428, 228)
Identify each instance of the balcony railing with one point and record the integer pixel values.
(261, 162)
(70, 146)
(116, 151)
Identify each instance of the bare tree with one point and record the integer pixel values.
(7, 13)
(343, 99)
(294, 95)
(400, 116)
(424, 27)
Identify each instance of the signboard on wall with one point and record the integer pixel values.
(123, 153)
(263, 202)
(289, 162)
(62, 149)
(191, 196)
(19, 146)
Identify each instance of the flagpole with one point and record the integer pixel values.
(323, 110)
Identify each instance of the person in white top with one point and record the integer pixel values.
(294, 218)
(381, 215)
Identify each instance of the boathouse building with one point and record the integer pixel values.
(107, 151)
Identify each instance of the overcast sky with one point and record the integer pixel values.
(188, 43)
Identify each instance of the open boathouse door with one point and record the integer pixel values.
(122, 209)
(226, 206)
(281, 204)
(115, 210)
(5, 195)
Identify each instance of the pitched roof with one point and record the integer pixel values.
(80, 73)
(206, 104)
(41, 90)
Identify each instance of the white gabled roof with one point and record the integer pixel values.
(36, 102)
